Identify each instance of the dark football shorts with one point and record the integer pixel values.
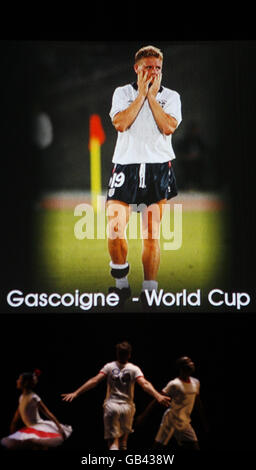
(145, 183)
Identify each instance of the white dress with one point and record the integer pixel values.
(37, 432)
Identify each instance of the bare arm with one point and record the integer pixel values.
(141, 418)
(124, 119)
(166, 123)
(43, 408)
(148, 388)
(148, 410)
(15, 420)
(88, 385)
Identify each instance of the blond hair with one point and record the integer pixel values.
(148, 51)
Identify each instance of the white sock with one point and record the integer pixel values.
(113, 447)
(149, 285)
(118, 266)
(121, 283)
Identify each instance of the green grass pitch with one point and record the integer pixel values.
(63, 263)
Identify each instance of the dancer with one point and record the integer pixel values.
(119, 407)
(37, 433)
(184, 393)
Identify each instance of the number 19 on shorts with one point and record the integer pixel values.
(116, 181)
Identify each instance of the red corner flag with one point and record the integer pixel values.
(96, 129)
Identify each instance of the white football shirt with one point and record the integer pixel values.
(143, 142)
(121, 380)
(183, 398)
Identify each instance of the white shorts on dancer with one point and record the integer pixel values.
(168, 429)
(118, 418)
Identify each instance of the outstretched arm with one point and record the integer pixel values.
(141, 418)
(147, 411)
(88, 385)
(43, 408)
(15, 420)
(148, 388)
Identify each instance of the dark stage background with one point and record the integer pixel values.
(217, 84)
(69, 349)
